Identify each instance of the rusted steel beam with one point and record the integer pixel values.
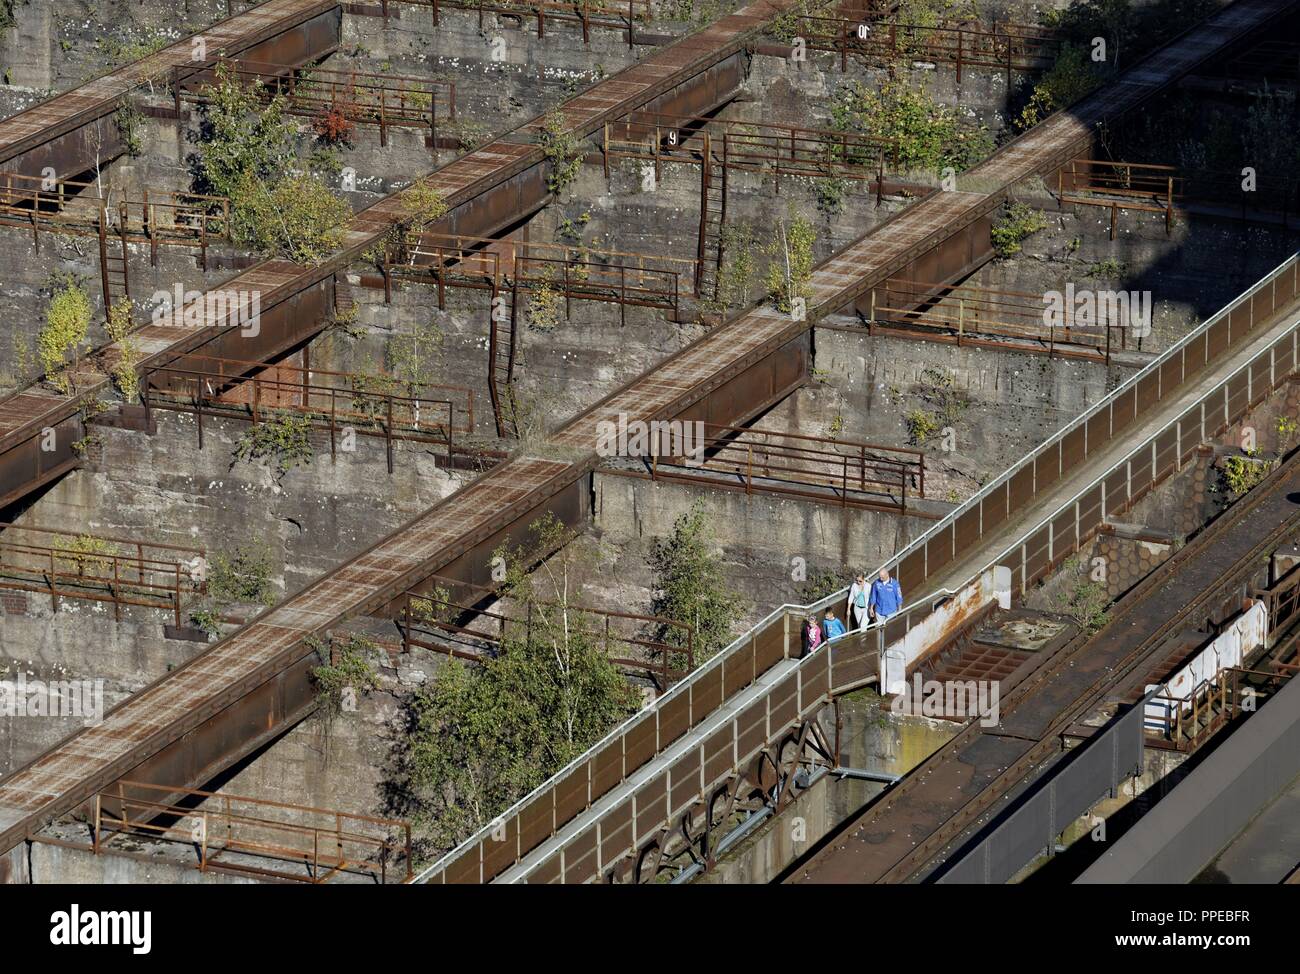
(72, 132)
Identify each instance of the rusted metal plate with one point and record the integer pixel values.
(994, 508)
(738, 670)
(852, 662)
(651, 808)
(674, 718)
(966, 528)
(911, 571)
(1166, 452)
(571, 794)
(938, 550)
(1047, 465)
(499, 854)
(1238, 396)
(706, 694)
(1239, 320)
(1098, 430)
(1036, 559)
(1261, 383)
(606, 768)
(640, 741)
(785, 702)
(684, 779)
(1122, 412)
(1116, 484)
(1190, 434)
(1022, 487)
(1090, 514)
(1217, 339)
(1064, 540)
(580, 857)
(616, 831)
(1072, 449)
(549, 871)
(1284, 356)
(1285, 287)
(1148, 392)
(536, 821)
(719, 750)
(751, 730)
(1139, 463)
(465, 868)
(1171, 374)
(769, 646)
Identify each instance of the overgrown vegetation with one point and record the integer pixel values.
(118, 327)
(930, 136)
(1244, 472)
(736, 275)
(946, 406)
(563, 152)
(128, 119)
(790, 262)
(1084, 600)
(67, 322)
(239, 576)
(84, 552)
(347, 670)
(422, 204)
(1018, 221)
(691, 587)
(482, 735)
(242, 575)
(247, 154)
(1128, 33)
(279, 444)
(819, 585)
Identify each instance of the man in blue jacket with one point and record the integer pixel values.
(886, 597)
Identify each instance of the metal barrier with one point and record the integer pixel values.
(1040, 548)
(324, 843)
(1092, 771)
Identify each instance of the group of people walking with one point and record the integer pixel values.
(866, 604)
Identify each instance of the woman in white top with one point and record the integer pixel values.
(856, 612)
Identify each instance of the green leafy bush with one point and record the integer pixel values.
(67, 322)
(1018, 221)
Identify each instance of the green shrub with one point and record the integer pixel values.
(279, 444)
(1018, 222)
(297, 218)
(67, 321)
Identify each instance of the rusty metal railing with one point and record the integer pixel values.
(585, 13)
(860, 474)
(385, 100)
(467, 630)
(233, 833)
(1192, 720)
(100, 568)
(384, 406)
(762, 147)
(1007, 47)
(988, 316)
